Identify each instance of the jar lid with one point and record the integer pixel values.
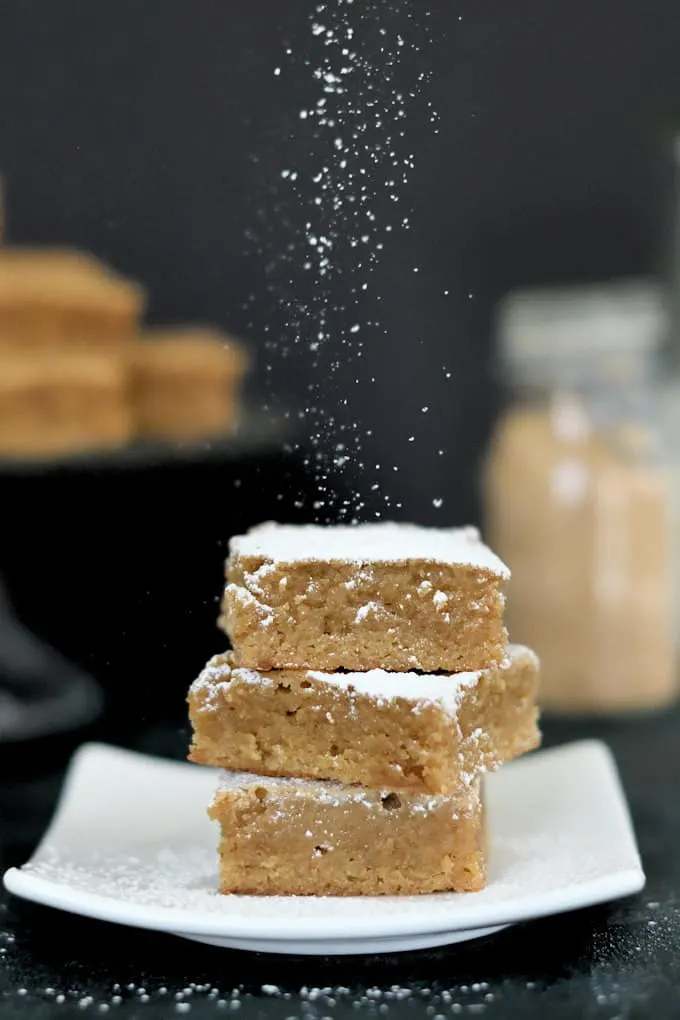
(626, 318)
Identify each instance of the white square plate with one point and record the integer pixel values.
(131, 843)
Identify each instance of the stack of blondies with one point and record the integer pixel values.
(369, 687)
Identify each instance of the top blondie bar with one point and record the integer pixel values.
(358, 597)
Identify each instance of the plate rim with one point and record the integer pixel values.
(165, 919)
(348, 947)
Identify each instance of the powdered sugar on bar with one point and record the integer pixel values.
(377, 684)
(368, 543)
(337, 794)
(380, 685)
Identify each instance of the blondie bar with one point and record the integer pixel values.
(402, 730)
(301, 837)
(357, 597)
(185, 383)
(62, 403)
(56, 298)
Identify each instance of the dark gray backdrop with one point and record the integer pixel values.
(130, 128)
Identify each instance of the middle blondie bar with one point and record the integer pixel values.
(400, 730)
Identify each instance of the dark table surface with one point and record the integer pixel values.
(616, 961)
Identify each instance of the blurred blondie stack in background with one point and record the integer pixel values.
(66, 325)
(185, 383)
(78, 370)
(369, 687)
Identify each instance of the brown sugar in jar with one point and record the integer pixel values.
(578, 501)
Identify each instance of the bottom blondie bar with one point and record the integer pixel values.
(305, 837)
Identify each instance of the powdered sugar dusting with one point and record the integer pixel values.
(442, 689)
(340, 795)
(368, 543)
(369, 609)
(217, 675)
(250, 601)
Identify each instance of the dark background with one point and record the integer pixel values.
(131, 128)
(154, 134)
(151, 133)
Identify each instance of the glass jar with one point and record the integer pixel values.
(579, 496)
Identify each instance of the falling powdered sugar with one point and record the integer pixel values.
(331, 209)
